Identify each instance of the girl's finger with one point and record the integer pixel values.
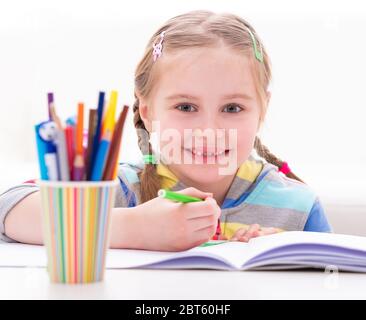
(203, 222)
(252, 232)
(267, 231)
(202, 208)
(238, 234)
(205, 233)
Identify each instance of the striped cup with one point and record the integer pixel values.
(76, 223)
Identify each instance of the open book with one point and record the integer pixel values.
(286, 250)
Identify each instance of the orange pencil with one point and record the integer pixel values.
(79, 165)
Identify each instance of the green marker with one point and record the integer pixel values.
(174, 196)
(171, 195)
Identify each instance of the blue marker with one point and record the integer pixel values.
(97, 133)
(47, 152)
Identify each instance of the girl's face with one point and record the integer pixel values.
(196, 90)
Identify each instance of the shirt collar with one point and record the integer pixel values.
(246, 174)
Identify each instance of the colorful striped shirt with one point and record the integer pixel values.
(259, 194)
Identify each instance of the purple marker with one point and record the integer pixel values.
(50, 103)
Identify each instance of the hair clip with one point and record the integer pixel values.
(149, 159)
(285, 169)
(258, 54)
(158, 47)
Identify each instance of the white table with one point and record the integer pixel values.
(33, 283)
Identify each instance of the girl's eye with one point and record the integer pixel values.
(232, 108)
(186, 108)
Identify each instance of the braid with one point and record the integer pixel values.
(149, 179)
(264, 152)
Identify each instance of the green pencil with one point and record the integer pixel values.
(171, 195)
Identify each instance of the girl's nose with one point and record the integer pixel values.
(208, 121)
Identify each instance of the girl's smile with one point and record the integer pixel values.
(207, 154)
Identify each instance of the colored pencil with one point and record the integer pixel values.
(108, 121)
(50, 103)
(108, 128)
(79, 164)
(69, 133)
(114, 149)
(61, 145)
(97, 134)
(91, 132)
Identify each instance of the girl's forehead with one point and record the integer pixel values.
(216, 69)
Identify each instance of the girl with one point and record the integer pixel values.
(201, 72)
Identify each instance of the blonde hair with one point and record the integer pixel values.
(199, 29)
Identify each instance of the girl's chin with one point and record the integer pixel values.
(201, 177)
(204, 173)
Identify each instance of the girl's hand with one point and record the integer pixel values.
(172, 226)
(253, 231)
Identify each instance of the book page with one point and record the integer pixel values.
(222, 255)
(325, 246)
(300, 237)
(230, 253)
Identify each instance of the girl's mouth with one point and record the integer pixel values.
(206, 154)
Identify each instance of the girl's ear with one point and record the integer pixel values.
(145, 114)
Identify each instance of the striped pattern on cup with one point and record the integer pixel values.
(76, 223)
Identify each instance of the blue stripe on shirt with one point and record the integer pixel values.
(317, 220)
(231, 203)
(130, 196)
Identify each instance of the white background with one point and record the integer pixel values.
(316, 119)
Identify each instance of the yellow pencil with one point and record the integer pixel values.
(110, 116)
(107, 133)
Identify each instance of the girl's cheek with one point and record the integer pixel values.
(166, 125)
(245, 140)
